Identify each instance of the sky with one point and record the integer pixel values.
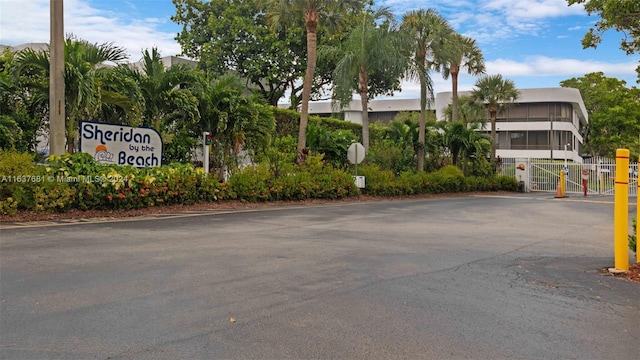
(535, 43)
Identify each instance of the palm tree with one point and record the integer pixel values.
(236, 118)
(312, 12)
(122, 99)
(461, 52)
(427, 31)
(167, 102)
(469, 111)
(463, 141)
(370, 50)
(496, 94)
(83, 68)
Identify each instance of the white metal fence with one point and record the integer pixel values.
(544, 175)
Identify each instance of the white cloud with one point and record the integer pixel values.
(28, 21)
(540, 66)
(493, 21)
(533, 9)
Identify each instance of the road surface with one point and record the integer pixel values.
(481, 277)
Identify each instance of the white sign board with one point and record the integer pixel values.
(355, 153)
(120, 144)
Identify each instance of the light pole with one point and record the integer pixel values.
(56, 79)
(565, 155)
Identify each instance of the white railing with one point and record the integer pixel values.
(544, 175)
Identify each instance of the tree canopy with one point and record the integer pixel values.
(620, 15)
(614, 114)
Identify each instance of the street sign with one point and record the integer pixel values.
(355, 153)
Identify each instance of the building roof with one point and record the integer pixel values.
(33, 46)
(166, 60)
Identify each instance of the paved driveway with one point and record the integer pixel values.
(512, 277)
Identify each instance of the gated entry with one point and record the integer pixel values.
(544, 175)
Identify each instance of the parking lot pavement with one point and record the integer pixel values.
(483, 277)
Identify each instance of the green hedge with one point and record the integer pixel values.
(288, 123)
(77, 182)
(449, 179)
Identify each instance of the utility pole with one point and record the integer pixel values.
(56, 79)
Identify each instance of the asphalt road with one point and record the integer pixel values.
(456, 278)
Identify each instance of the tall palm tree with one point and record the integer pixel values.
(285, 12)
(469, 111)
(427, 32)
(496, 94)
(83, 68)
(369, 50)
(460, 52)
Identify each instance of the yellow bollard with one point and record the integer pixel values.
(621, 211)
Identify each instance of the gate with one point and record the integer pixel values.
(544, 175)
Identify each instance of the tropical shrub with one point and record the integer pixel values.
(333, 144)
(288, 121)
(380, 182)
(19, 177)
(314, 179)
(392, 155)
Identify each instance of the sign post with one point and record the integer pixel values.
(355, 155)
(206, 141)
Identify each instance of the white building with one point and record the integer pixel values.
(542, 123)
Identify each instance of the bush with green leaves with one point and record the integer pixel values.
(288, 123)
(449, 179)
(77, 181)
(333, 144)
(315, 179)
(392, 155)
(16, 186)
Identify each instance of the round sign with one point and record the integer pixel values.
(355, 153)
(585, 174)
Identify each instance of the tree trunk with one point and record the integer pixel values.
(454, 92)
(494, 141)
(311, 22)
(364, 101)
(422, 127)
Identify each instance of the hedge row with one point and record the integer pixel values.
(77, 182)
(449, 179)
(288, 123)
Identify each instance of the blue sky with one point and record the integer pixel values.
(535, 43)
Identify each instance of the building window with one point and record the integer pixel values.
(538, 140)
(518, 140)
(539, 112)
